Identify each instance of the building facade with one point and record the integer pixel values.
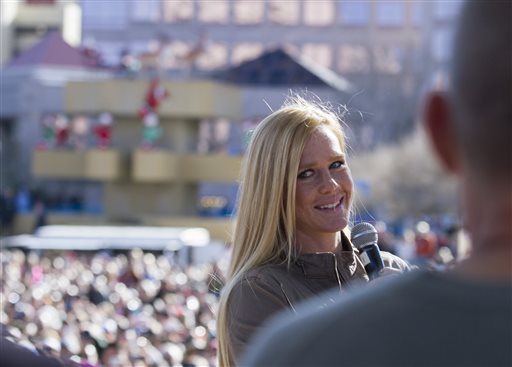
(386, 52)
(377, 45)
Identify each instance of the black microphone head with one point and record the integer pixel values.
(363, 234)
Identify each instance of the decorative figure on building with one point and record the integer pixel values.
(103, 131)
(47, 132)
(80, 131)
(148, 113)
(151, 132)
(129, 63)
(61, 130)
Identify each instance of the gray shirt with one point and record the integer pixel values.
(418, 319)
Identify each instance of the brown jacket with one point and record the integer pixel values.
(273, 287)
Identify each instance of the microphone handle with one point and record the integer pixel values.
(371, 259)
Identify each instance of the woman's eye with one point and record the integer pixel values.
(337, 164)
(305, 174)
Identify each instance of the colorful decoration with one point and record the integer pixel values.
(103, 130)
(47, 133)
(80, 131)
(148, 114)
(61, 130)
(151, 132)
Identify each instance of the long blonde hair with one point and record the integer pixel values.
(265, 226)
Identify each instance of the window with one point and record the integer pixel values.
(318, 13)
(446, 10)
(318, 53)
(441, 44)
(147, 10)
(355, 13)
(245, 51)
(214, 56)
(214, 135)
(283, 11)
(178, 10)
(390, 13)
(175, 55)
(248, 11)
(150, 54)
(417, 10)
(104, 14)
(353, 59)
(388, 59)
(213, 11)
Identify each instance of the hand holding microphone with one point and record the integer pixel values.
(364, 236)
(376, 263)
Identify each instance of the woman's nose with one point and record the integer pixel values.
(328, 184)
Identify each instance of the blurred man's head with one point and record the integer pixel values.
(471, 129)
(481, 86)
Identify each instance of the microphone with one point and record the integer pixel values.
(364, 236)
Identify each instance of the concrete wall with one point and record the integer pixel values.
(195, 99)
(132, 200)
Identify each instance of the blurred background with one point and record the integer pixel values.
(123, 118)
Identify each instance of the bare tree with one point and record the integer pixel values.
(404, 180)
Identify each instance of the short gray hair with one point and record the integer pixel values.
(481, 86)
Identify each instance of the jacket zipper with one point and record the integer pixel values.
(338, 275)
(287, 299)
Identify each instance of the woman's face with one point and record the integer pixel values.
(324, 190)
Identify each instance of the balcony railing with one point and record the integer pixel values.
(153, 166)
(195, 99)
(162, 166)
(101, 165)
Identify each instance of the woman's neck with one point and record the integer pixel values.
(312, 244)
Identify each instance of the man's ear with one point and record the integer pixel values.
(439, 127)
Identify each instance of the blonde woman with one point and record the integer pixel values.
(294, 203)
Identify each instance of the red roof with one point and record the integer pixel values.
(51, 50)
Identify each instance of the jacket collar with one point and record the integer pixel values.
(325, 264)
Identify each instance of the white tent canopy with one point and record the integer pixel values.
(93, 238)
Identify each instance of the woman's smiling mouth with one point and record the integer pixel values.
(332, 206)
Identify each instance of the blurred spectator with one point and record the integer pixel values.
(405, 246)
(386, 240)
(22, 201)
(426, 245)
(7, 212)
(40, 218)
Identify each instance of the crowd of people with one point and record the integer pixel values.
(434, 243)
(119, 309)
(106, 309)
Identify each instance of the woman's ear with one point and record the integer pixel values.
(438, 124)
